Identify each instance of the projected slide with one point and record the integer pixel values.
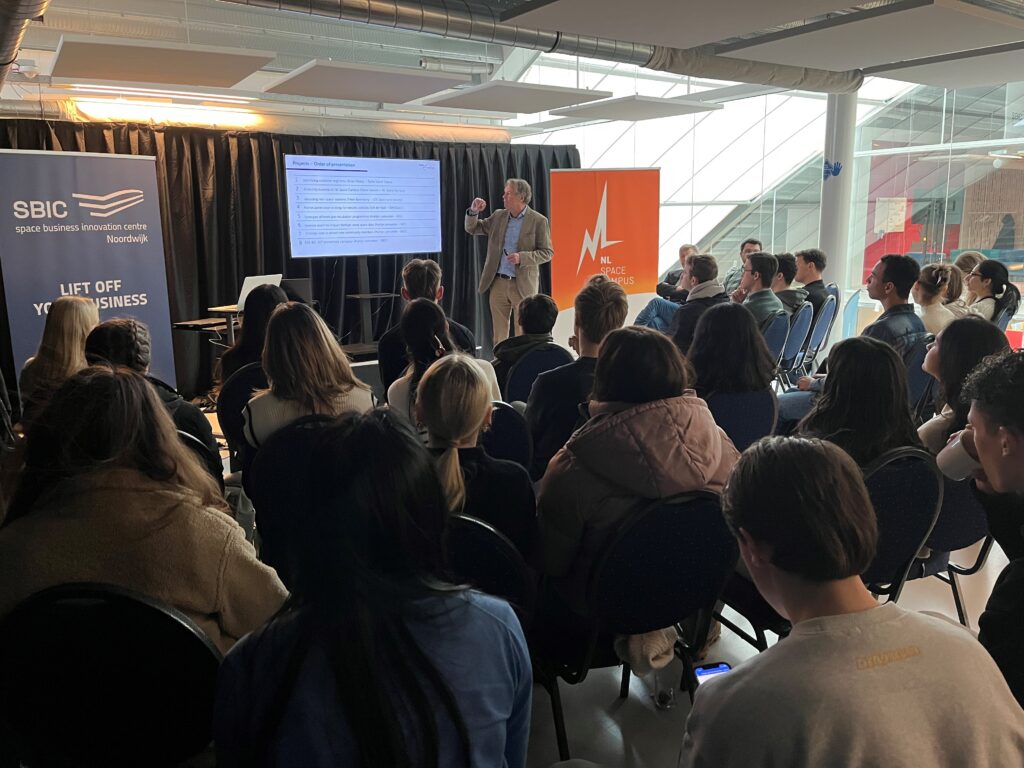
(356, 206)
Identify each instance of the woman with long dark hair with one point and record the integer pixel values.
(951, 357)
(864, 407)
(374, 661)
(990, 282)
(110, 494)
(728, 353)
(248, 347)
(425, 330)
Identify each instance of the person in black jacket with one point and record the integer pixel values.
(248, 347)
(700, 278)
(421, 279)
(672, 292)
(453, 401)
(125, 341)
(535, 316)
(552, 410)
(995, 438)
(809, 266)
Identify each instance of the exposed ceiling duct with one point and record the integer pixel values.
(14, 18)
(469, 21)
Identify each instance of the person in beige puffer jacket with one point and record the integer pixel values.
(649, 437)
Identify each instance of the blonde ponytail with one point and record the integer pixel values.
(453, 400)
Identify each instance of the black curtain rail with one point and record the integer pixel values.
(224, 215)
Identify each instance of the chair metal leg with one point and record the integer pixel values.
(624, 685)
(954, 585)
(556, 710)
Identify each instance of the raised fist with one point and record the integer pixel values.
(477, 205)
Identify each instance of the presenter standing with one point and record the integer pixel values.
(518, 242)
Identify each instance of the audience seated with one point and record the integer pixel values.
(956, 352)
(426, 332)
(864, 407)
(700, 277)
(649, 437)
(125, 341)
(61, 352)
(728, 353)
(375, 661)
(308, 374)
(535, 318)
(990, 283)
(248, 347)
(553, 408)
(453, 402)
(782, 284)
(731, 281)
(966, 262)
(855, 683)
(659, 311)
(755, 291)
(810, 264)
(890, 283)
(421, 279)
(929, 293)
(109, 494)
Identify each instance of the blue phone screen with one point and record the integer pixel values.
(703, 673)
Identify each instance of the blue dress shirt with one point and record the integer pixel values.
(515, 226)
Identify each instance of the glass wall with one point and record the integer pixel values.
(939, 172)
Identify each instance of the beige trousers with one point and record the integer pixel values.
(504, 298)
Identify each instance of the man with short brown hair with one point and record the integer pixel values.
(553, 407)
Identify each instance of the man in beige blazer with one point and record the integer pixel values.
(518, 242)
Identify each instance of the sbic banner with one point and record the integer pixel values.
(604, 221)
(82, 224)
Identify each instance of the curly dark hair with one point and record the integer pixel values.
(120, 341)
(995, 387)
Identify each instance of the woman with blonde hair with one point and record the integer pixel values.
(928, 292)
(61, 352)
(453, 402)
(308, 374)
(110, 494)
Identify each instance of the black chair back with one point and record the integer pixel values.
(509, 436)
(906, 491)
(479, 555)
(819, 334)
(1003, 318)
(210, 460)
(95, 675)
(664, 564)
(745, 417)
(234, 394)
(278, 483)
(962, 520)
(531, 365)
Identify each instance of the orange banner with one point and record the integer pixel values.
(604, 221)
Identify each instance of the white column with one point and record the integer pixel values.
(837, 185)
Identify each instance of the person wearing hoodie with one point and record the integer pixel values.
(700, 278)
(649, 437)
(782, 284)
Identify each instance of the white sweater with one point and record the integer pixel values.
(399, 394)
(266, 413)
(883, 687)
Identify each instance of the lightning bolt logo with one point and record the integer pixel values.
(599, 240)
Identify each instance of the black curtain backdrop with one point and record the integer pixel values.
(224, 215)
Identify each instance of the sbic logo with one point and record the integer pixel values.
(40, 209)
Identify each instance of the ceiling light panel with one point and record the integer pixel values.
(506, 96)
(322, 79)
